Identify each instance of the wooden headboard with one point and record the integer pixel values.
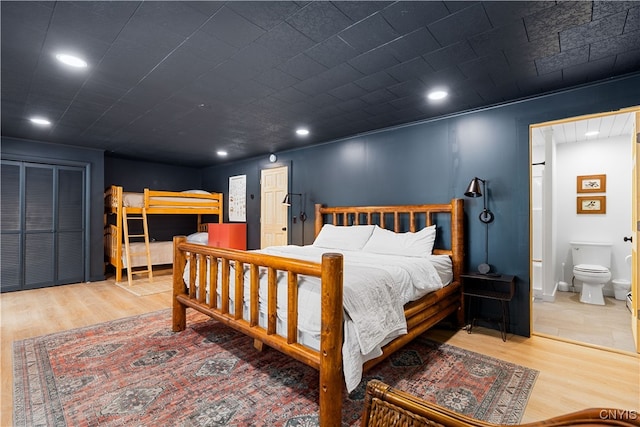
(403, 218)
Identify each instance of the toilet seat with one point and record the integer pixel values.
(591, 269)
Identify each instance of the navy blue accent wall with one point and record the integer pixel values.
(34, 151)
(135, 176)
(433, 162)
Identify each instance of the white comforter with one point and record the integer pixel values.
(376, 287)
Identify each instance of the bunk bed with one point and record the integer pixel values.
(273, 282)
(119, 204)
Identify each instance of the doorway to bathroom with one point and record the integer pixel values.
(583, 189)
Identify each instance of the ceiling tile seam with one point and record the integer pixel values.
(356, 23)
(339, 10)
(486, 15)
(346, 42)
(493, 25)
(285, 20)
(526, 30)
(626, 19)
(400, 32)
(401, 36)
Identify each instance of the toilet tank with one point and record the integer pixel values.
(595, 253)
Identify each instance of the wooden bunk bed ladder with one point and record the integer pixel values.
(127, 243)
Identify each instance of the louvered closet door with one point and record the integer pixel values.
(70, 229)
(43, 239)
(38, 227)
(10, 240)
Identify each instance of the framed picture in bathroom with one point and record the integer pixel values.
(592, 204)
(592, 183)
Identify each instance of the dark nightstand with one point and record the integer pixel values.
(487, 286)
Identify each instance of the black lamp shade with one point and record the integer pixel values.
(474, 189)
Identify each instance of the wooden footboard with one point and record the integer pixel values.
(421, 314)
(328, 360)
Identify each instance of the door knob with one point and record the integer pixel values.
(284, 228)
(628, 239)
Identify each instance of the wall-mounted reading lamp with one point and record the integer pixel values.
(486, 216)
(303, 215)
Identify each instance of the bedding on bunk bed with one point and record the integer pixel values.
(161, 253)
(383, 271)
(132, 199)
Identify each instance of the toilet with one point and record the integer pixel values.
(591, 262)
(621, 287)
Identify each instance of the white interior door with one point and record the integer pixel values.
(274, 185)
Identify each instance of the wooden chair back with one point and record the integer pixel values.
(384, 407)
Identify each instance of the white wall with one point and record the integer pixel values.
(613, 158)
(544, 215)
(537, 230)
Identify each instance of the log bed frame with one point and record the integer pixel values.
(421, 314)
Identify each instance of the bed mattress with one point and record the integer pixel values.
(161, 253)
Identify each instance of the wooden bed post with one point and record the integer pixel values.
(331, 378)
(457, 237)
(119, 241)
(179, 318)
(318, 219)
(457, 248)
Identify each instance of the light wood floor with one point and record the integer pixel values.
(607, 325)
(572, 377)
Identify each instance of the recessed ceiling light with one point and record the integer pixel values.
(437, 94)
(70, 60)
(302, 131)
(40, 121)
(221, 153)
(592, 133)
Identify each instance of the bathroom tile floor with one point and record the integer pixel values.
(567, 317)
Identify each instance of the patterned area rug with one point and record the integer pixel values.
(135, 371)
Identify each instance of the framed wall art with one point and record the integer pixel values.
(592, 205)
(592, 183)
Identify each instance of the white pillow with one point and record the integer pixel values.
(419, 244)
(201, 238)
(348, 238)
(196, 192)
